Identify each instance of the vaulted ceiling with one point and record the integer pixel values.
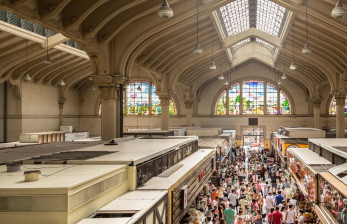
(126, 32)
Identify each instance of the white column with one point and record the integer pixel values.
(340, 116)
(61, 109)
(316, 115)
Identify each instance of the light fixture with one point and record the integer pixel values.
(221, 77)
(47, 61)
(226, 82)
(93, 88)
(212, 65)
(293, 66)
(165, 11)
(27, 76)
(284, 76)
(197, 48)
(61, 83)
(338, 12)
(279, 82)
(307, 49)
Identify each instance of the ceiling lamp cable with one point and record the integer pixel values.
(197, 48)
(212, 65)
(27, 76)
(293, 66)
(307, 49)
(284, 76)
(61, 83)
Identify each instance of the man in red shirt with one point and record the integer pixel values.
(277, 216)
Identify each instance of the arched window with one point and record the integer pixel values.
(284, 104)
(258, 98)
(253, 97)
(221, 104)
(271, 99)
(155, 103)
(140, 99)
(234, 100)
(332, 108)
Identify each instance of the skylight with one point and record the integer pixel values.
(269, 17)
(264, 43)
(264, 15)
(242, 42)
(235, 16)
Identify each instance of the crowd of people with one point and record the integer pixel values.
(250, 188)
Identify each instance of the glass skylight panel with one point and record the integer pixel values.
(242, 42)
(264, 43)
(269, 17)
(235, 17)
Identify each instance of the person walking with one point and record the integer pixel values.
(277, 216)
(290, 215)
(229, 215)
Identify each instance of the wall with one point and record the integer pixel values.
(34, 107)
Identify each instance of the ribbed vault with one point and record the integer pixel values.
(122, 33)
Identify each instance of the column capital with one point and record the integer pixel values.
(189, 101)
(340, 100)
(164, 96)
(61, 102)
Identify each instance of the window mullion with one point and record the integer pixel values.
(227, 101)
(150, 98)
(241, 98)
(278, 101)
(265, 98)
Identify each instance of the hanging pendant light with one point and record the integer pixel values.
(221, 77)
(165, 11)
(61, 83)
(293, 66)
(279, 82)
(284, 76)
(197, 48)
(93, 88)
(47, 61)
(307, 49)
(27, 76)
(339, 12)
(212, 65)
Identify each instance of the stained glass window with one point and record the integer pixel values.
(234, 100)
(332, 108)
(253, 97)
(284, 104)
(172, 107)
(138, 98)
(253, 100)
(271, 99)
(156, 109)
(221, 104)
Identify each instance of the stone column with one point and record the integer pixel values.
(108, 96)
(340, 115)
(109, 93)
(164, 104)
(316, 114)
(189, 111)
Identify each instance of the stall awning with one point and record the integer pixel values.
(309, 157)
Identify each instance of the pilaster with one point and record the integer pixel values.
(340, 114)
(189, 111)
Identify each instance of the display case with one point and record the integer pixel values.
(333, 197)
(304, 165)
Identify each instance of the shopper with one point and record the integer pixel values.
(290, 215)
(229, 215)
(277, 216)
